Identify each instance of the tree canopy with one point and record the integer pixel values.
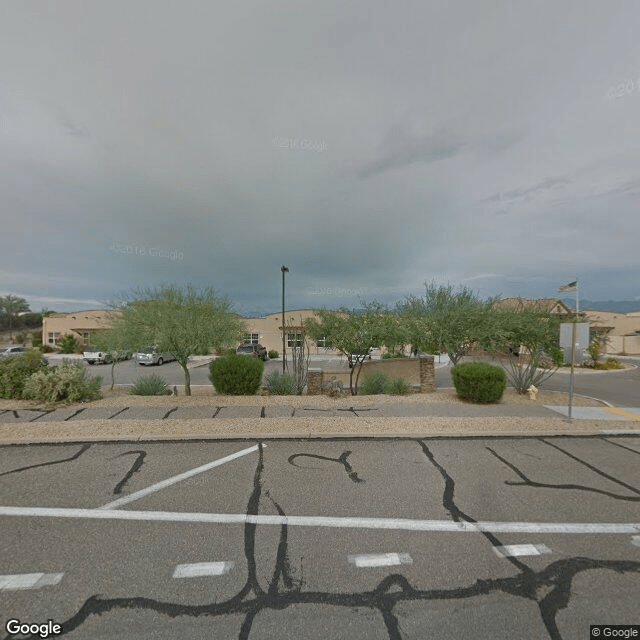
(179, 321)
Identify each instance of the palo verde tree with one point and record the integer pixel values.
(446, 319)
(534, 329)
(354, 333)
(179, 321)
(114, 342)
(10, 308)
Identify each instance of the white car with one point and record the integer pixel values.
(95, 356)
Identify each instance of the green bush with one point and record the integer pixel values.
(15, 371)
(236, 375)
(479, 381)
(281, 384)
(389, 356)
(68, 344)
(62, 384)
(273, 354)
(152, 385)
(374, 383)
(45, 348)
(557, 355)
(397, 387)
(20, 338)
(36, 338)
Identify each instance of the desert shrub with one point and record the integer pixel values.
(152, 385)
(20, 338)
(15, 371)
(479, 381)
(67, 383)
(36, 338)
(273, 354)
(374, 383)
(281, 384)
(557, 355)
(45, 348)
(236, 375)
(397, 387)
(68, 344)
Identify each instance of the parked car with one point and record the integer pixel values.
(359, 356)
(92, 355)
(151, 355)
(13, 350)
(255, 350)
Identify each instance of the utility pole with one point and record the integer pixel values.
(284, 356)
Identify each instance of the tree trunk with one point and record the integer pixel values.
(113, 366)
(187, 380)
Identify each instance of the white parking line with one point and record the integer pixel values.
(514, 550)
(29, 581)
(198, 569)
(380, 559)
(175, 479)
(402, 524)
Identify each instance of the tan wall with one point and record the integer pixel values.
(632, 345)
(76, 324)
(417, 371)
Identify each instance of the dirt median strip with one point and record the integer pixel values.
(265, 428)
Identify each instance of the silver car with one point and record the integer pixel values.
(13, 350)
(151, 355)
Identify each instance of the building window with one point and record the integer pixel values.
(251, 338)
(86, 337)
(53, 337)
(294, 339)
(321, 342)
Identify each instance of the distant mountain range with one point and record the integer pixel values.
(619, 306)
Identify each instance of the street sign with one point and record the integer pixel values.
(582, 340)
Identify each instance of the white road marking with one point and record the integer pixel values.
(514, 550)
(403, 524)
(175, 479)
(29, 581)
(198, 569)
(380, 559)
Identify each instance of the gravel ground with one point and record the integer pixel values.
(205, 396)
(303, 426)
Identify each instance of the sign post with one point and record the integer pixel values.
(573, 286)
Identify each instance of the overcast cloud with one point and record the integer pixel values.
(369, 146)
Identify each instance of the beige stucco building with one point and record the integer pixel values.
(620, 332)
(267, 331)
(79, 324)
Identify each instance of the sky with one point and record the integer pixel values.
(368, 146)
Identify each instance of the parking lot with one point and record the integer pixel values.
(486, 538)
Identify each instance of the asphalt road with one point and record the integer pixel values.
(523, 538)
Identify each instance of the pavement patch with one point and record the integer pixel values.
(239, 412)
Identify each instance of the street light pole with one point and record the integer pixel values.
(284, 356)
